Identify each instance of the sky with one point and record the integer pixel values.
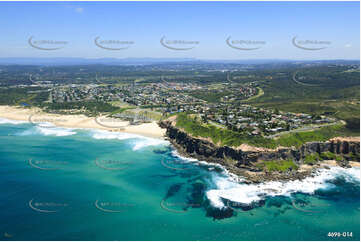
(255, 30)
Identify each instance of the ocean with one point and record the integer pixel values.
(82, 184)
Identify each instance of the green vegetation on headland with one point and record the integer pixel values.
(231, 138)
(312, 159)
(330, 156)
(321, 134)
(277, 165)
(280, 165)
(221, 136)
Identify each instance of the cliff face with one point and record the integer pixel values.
(236, 158)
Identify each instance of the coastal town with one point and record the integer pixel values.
(217, 104)
(169, 98)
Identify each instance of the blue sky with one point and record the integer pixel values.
(208, 23)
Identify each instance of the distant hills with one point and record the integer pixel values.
(148, 61)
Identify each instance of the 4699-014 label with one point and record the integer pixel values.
(339, 234)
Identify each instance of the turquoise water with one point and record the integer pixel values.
(62, 184)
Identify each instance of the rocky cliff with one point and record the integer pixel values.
(237, 161)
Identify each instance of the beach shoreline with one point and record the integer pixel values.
(36, 115)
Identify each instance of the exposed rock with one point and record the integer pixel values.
(238, 161)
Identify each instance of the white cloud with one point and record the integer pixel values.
(348, 45)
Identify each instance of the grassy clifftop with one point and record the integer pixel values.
(234, 139)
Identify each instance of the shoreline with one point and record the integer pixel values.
(251, 177)
(257, 177)
(36, 115)
(245, 163)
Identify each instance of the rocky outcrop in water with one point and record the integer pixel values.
(238, 161)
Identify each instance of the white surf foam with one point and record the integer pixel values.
(45, 125)
(48, 131)
(187, 159)
(144, 142)
(103, 134)
(10, 121)
(56, 131)
(227, 188)
(44, 128)
(139, 141)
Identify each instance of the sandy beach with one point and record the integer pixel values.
(35, 115)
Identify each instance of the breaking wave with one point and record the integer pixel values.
(10, 121)
(44, 128)
(227, 188)
(51, 130)
(137, 141)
